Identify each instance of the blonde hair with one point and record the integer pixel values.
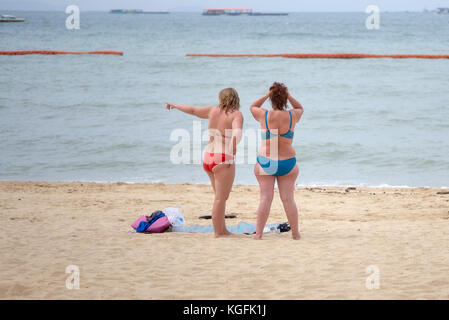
(229, 99)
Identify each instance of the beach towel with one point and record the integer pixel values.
(241, 227)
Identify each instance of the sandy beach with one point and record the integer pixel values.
(46, 226)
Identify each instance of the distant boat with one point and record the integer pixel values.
(238, 12)
(227, 11)
(136, 11)
(8, 18)
(442, 10)
(269, 14)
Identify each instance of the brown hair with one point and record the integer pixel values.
(278, 96)
(229, 99)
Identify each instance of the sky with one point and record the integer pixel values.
(198, 5)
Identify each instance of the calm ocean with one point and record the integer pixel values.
(367, 122)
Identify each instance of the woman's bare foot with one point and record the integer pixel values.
(257, 237)
(296, 236)
(224, 234)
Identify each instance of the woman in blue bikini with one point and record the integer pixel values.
(276, 159)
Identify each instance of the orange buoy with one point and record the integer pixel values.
(325, 55)
(24, 52)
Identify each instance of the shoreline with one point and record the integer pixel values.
(362, 185)
(47, 226)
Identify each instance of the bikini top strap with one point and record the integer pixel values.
(290, 113)
(266, 122)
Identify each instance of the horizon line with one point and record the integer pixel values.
(192, 11)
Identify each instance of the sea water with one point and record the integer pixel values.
(367, 122)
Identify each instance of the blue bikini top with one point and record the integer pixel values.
(268, 135)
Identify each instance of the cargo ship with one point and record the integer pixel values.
(8, 18)
(136, 11)
(442, 10)
(269, 14)
(238, 12)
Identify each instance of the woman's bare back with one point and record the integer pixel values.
(221, 130)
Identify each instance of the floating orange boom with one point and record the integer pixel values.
(326, 55)
(23, 52)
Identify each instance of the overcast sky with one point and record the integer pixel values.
(196, 5)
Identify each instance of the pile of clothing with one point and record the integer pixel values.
(157, 222)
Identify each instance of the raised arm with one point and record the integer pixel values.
(200, 112)
(256, 110)
(298, 109)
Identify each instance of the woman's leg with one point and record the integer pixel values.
(212, 180)
(266, 185)
(224, 178)
(286, 186)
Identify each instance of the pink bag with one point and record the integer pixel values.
(159, 226)
(138, 221)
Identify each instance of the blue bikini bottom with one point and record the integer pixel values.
(276, 167)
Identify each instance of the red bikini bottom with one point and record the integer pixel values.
(212, 159)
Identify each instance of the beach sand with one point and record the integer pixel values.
(46, 226)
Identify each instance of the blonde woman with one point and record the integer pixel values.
(276, 160)
(225, 128)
